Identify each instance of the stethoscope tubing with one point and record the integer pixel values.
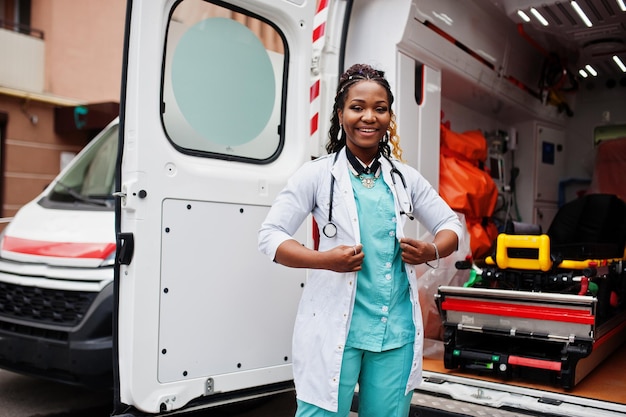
(330, 230)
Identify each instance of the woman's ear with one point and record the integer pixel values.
(340, 116)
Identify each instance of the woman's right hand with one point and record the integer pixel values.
(341, 258)
(344, 258)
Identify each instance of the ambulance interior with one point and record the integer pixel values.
(541, 303)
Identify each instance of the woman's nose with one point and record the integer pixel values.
(368, 115)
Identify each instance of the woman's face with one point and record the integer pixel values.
(365, 117)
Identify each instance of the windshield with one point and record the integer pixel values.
(91, 177)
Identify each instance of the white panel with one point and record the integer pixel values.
(22, 61)
(225, 308)
(523, 62)
(540, 157)
(469, 24)
(377, 47)
(418, 123)
(550, 160)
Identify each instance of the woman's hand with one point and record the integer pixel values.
(344, 258)
(339, 259)
(416, 252)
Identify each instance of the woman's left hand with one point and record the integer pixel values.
(416, 252)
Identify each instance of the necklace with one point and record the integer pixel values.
(360, 171)
(369, 182)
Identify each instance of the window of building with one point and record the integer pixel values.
(15, 15)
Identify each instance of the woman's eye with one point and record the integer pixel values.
(381, 110)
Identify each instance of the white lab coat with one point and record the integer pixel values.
(325, 309)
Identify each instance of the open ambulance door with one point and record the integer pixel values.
(202, 318)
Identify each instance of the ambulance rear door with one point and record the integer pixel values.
(213, 122)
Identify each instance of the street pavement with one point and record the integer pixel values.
(24, 396)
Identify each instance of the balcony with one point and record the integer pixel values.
(23, 52)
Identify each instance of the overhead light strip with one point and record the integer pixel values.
(622, 5)
(538, 16)
(523, 15)
(591, 70)
(619, 63)
(582, 14)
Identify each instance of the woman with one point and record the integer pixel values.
(359, 319)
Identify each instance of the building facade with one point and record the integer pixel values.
(60, 72)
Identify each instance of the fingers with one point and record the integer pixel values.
(414, 251)
(355, 258)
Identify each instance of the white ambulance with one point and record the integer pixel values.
(56, 273)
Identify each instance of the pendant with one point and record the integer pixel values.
(368, 182)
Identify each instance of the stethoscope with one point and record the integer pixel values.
(406, 207)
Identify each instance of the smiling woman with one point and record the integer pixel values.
(346, 335)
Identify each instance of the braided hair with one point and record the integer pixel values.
(337, 136)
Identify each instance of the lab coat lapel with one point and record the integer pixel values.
(401, 220)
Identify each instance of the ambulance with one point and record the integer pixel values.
(222, 101)
(56, 273)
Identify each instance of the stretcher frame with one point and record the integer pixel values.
(524, 332)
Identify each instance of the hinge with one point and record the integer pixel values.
(315, 65)
(209, 387)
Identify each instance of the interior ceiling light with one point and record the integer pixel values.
(622, 5)
(619, 63)
(444, 18)
(523, 15)
(591, 70)
(582, 73)
(485, 55)
(538, 16)
(582, 14)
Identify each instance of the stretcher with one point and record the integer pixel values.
(547, 307)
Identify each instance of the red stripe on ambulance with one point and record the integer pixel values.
(80, 250)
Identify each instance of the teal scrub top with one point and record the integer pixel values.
(382, 318)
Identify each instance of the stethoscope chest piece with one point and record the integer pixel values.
(329, 230)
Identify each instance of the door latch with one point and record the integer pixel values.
(125, 248)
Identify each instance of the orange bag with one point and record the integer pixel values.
(470, 145)
(467, 188)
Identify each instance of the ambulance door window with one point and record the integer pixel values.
(223, 83)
